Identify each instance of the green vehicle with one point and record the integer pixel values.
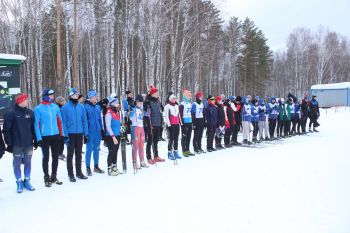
(9, 80)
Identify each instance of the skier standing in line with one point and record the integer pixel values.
(198, 120)
(76, 128)
(19, 135)
(95, 132)
(185, 108)
(48, 130)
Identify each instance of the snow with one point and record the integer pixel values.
(343, 85)
(300, 184)
(12, 57)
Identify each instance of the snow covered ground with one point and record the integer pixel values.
(301, 184)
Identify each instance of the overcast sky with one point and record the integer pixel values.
(278, 18)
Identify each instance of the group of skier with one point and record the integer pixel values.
(54, 124)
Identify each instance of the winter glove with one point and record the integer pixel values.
(40, 143)
(66, 141)
(9, 149)
(86, 139)
(35, 144)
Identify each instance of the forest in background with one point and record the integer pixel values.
(119, 45)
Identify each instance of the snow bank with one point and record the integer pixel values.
(300, 184)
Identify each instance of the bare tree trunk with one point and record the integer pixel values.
(58, 48)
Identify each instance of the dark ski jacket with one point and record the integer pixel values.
(18, 127)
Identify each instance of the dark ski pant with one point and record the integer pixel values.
(112, 150)
(227, 137)
(280, 127)
(210, 138)
(147, 127)
(295, 125)
(74, 148)
(303, 121)
(235, 132)
(198, 134)
(313, 121)
(47, 143)
(60, 146)
(152, 141)
(255, 129)
(272, 127)
(186, 131)
(287, 127)
(173, 131)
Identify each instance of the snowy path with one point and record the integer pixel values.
(301, 185)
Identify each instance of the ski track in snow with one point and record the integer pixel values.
(298, 185)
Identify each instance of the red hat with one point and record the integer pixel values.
(21, 97)
(218, 98)
(153, 90)
(199, 94)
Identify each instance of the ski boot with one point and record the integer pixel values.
(316, 131)
(98, 170)
(171, 155)
(81, 176)
(54, 180)
(190, 153)
(135, 165)
(201, 151)
(158, 159)
(72, 179)
(28, 185)
(88, 171)
(185, 154)
(113, 170)
(176, 155)
(143, 164)
(47, 181)
(19, 186)
(151, 161)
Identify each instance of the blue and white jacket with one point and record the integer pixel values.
(48, 120)
(247, 112)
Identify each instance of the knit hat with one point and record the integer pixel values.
(232, 97)
(186, 95)
(21, 97)
(171, 97)
(113, 101)
(91, 93)
(139, 98)
(218, 98)
(152, 90)
(199, 94)
(72, 91)
(239, 98)
(111, 96)
(60, 99)
(47, 92)
(210, 97)
(127, 92)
